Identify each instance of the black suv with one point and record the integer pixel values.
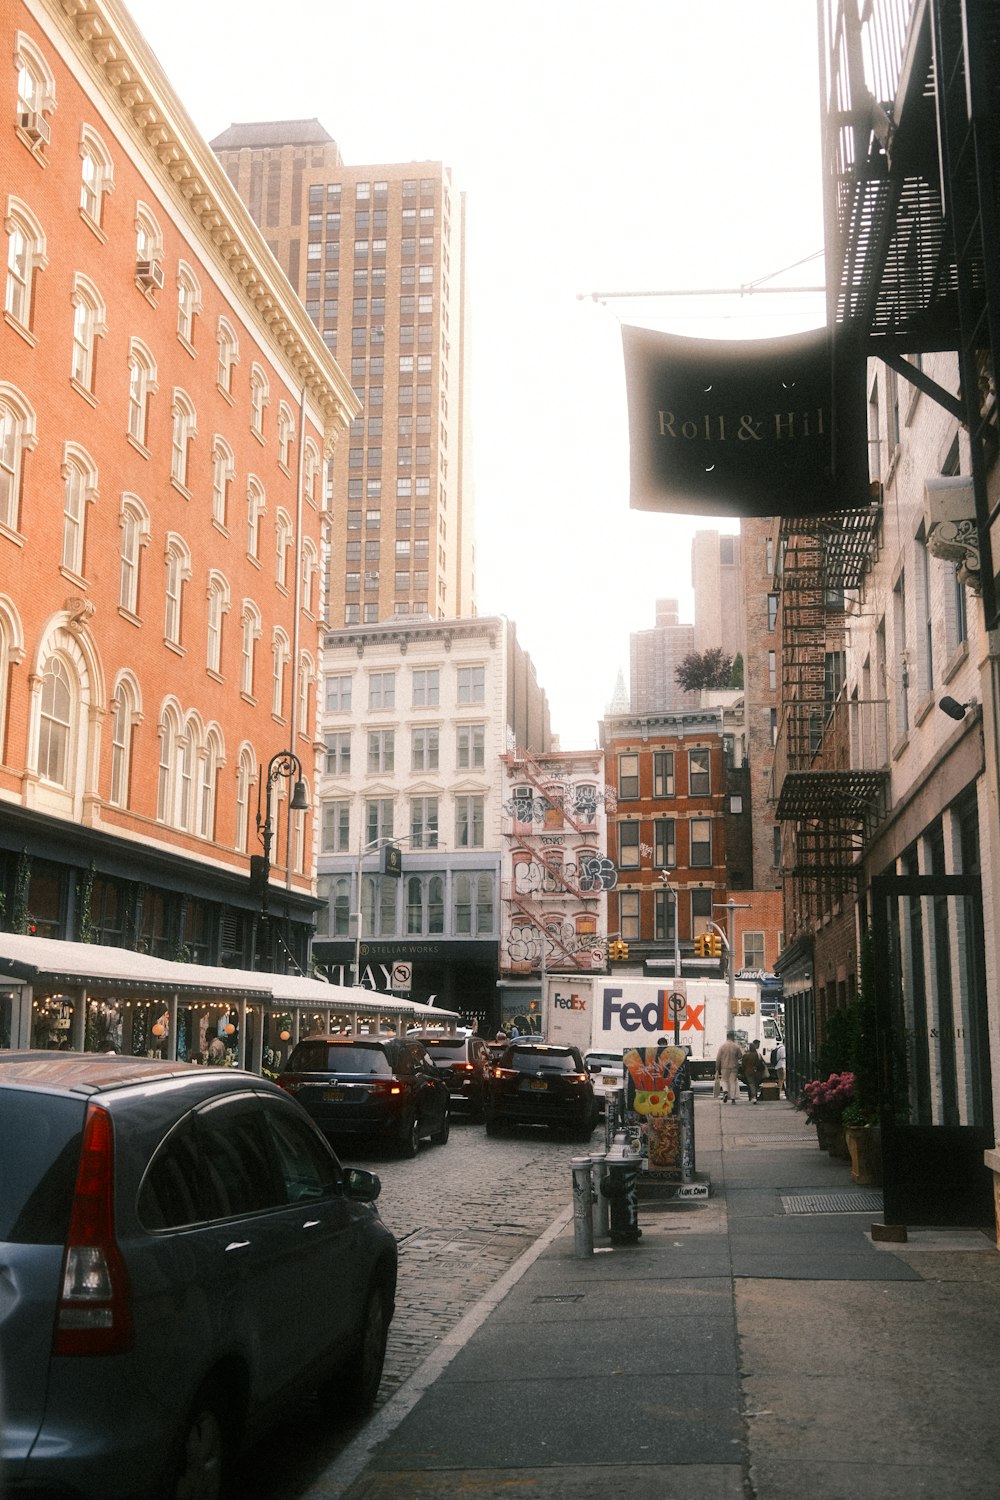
(182, 1259)
(541, 1083)
(465, 1063)
(385, 1087)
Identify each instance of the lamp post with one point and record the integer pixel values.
(285, 764)
(382, 842)
(675, 895)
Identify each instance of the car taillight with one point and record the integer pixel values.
(94, 1314)
(389, 1087)
(464, 1067)
(505, 1073)
(289, 1081)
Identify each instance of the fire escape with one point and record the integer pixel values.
(912, 191)
(547, 807)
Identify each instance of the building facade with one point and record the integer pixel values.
(166, 409)
(377, 254)
(415, 720)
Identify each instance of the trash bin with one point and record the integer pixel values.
(621, 1188)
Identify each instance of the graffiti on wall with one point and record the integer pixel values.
(592, 874)
(524, 944)
(568, 798)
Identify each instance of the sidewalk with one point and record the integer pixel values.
(754, 1344)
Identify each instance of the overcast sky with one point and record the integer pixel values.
(651, 145)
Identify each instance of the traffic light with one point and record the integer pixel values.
(617, 949)
(701, 945)
(623, 950)
(714, 945)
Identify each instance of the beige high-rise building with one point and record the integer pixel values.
(377, 254)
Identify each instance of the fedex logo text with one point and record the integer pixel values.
(650, 1017)
(568, 1002)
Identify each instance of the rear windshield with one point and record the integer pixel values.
(551, 1059)
(324, 1057)
(438, 1047)
(37, 1178)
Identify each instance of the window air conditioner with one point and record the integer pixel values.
(35, 126)
(149, 273)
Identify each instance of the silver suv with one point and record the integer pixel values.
(181, 1256)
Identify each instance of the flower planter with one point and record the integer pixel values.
(863, 1145)
(830, 1136)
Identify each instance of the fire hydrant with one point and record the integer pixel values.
(620, 1186)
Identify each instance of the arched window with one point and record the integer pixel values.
(223, 472)
(36, 94)
(188, 303)
(229, 355)
(210, 758)
(56, 717)
(245, 777)
(279, 649)
(218, 608)
(148, 250)
(141, 386)
(184, 428)
(11, 651)
(97, 175)
(282, 542)
(89, 324)
(250, 623)
(17, 437)
(311, 472)
(79, 474)
(255, 510)
(125, 716)
(178, 564)
(307, 676)
(310, 569)
(25, 256)
(135, 525)
(259, 399)
(286, 434)
(340, 898)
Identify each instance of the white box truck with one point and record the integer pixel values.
(609, 1012)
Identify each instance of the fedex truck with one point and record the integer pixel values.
(607, 1013)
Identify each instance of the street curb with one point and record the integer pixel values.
(354, 1459)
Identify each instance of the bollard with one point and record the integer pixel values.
(583, 1220)
(621, 1188)
(602, 1208)
(686, 1112)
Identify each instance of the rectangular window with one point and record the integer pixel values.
(426, 683)
(628, 777)
(664, 916)
(469, 822)
(335, 833)
(470, 747)
(699, 778)
(663, 773)
(701, 842)
(628, 915)
(382, 690)
(378, 819)
(424, 749)
(772, 671)
(772, 611)
(472, 684)
(338, 753)
(381, 750)
(664, 844)
(628, 846)
(753, 950)
(423, 822)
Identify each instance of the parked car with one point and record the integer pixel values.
(607, 1072)
(381, 1087)
(464, 1060)
(184, 1258)
(541, 1083)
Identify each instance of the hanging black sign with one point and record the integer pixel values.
(759, 427)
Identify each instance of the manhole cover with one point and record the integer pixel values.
(832, 1203)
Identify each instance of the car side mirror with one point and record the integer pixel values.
(360, 1185)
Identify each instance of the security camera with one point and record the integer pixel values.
(952, 707)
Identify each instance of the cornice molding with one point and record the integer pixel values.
(122, 63)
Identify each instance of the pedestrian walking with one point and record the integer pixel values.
(727, 1064)
(754, 1069)
(778, 1064)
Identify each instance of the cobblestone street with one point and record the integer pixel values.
(461, 1214)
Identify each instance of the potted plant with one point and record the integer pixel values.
(824, 1101)
(862, 1140)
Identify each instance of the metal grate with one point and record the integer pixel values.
(776, 1140)
(832, 1203)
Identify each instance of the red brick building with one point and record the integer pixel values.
(166, 408)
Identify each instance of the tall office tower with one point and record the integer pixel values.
(655, 656)
(762, 697)
(377, 254)
(716, 577)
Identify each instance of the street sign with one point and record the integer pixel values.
(676, 1004)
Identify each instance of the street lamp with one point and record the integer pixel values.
(674, 893)
(385, 841)
(285, 764)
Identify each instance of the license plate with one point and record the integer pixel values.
(334, 1094)
(538, 1083)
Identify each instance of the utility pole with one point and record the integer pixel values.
(730, 907)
